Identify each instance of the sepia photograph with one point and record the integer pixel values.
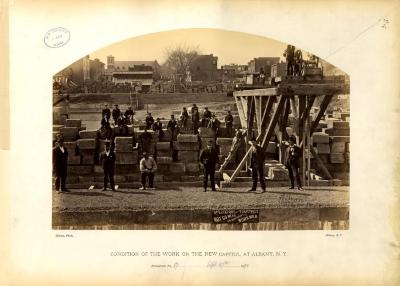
(201, 129)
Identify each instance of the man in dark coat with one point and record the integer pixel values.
(116, 113)
(209, 158)
(145, 140)
(172, 126)
(107, 159)
(129, 113)
(60, 162)
(292, 156)
(149, 120)
(157, 126)
(214, 124)
(206, 117)
(122, 123)
(257, 157)
(184, 117)
(195, 120)
(106, 112)
(229, 123)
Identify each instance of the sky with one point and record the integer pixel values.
(228, 46)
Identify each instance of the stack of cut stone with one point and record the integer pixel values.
(187, 148)
(276, 171)
(151, 148)
(164, 153)
(125, 153)
(206, 135)
(87, 150)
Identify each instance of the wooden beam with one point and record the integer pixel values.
(251, 110)
(241, 112)
(273, 121)
(320, 163)
(273, 91)
(317, 89)
(324, 104)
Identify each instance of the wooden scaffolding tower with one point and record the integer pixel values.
(265, 112)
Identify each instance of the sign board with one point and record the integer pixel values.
(236, 216)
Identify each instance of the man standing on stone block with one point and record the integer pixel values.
(116, 113)
(157, 126)
(209, 158)
(107, 159)
(292, 162)
(60, 162)
(184, 117)
(214, 124)
(229, 123)
(129, 113)
(106, 112)
(148, 167)
(195, 120)
(257, 157)
(149, 121)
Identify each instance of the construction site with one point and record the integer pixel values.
(307, 104)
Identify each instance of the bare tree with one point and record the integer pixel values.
(179, 59)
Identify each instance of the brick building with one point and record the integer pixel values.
(255, 65)
(204, 68)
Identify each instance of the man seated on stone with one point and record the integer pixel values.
(148, 167)
(157, 127)
(122, 123)
(206, 117)
(129, 113)
(149, 121)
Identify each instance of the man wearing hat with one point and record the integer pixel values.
(257, 157)
(209, 158)
(292, 156)
(116, 113)
(206, 117)
(148, 167)
(229, 123)
(157, 126)
(106, 112)
(107, 159)
(214, 124)
(60, 162)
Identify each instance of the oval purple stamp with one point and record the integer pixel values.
(57, 37)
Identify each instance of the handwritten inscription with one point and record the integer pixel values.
(236, 216)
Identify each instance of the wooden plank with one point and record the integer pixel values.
(324, 104)
(244, 105)
(272, 91)
(241, 112)
(317, 89)
(320, 163)
(258, 110)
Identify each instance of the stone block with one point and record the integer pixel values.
(345, 115)
(177, 168)
(158, 178)
(334, 139)
(119, 140)
(224, 141)
(164, 160)
(86, 144)
(98, 169)
(205, 140)
(347, 147)
(338, 147)
(347, 157)
(278, 174)
(186, 146)
(87, 159)
(341, 125)
(149, 148)
(165, 146)
(167, 136)
(206, 132)
(124, 148)
(86, 180)
(187, 138)
(73, 123)
(131, 168)
(192, 167)
(126, 158)
(271, 147)
(74, 160)
(88, 134)
(320, 137)
(164, 153)
(132, 177)
(69, 132)
(188, 156)
(72, 180)
(337, 132)
(329, 122)
(80, 170)
(70, 146)
(57, 127)
(336, 158)
(323, 148)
